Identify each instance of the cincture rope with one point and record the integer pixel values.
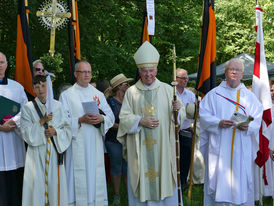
(46, 171)
(233, 137)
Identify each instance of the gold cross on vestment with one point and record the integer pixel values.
(151, 174)
(57, 19)
(149, 142)
(148, 110)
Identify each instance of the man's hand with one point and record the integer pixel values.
(226, 123)
(271, 154)
(149, 122)
(243, 127)
(45, 118)
(176, 105)
(91, 119)
(8, 126)
(50, 132)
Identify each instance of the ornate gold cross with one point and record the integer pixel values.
(55, 13)
(149, 142)
(148, 110)
(151, 174)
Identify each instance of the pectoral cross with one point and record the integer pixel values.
(149, 142)
(151, 174)
(149, 110)
(55, 21)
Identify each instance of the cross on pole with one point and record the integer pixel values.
(55, 17)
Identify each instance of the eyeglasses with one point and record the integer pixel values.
(85, 72)
(234, 69)
(39, 69)
(149, 71)
(183, 78)
(2, 62)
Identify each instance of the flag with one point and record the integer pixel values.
(144, 37)
(74, 36)
(260, 87)
(206, 78)
(23, 70)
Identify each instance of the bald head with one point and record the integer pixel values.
(3, 65)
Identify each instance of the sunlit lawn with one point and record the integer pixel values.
(196, 197)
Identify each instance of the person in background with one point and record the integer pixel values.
(38, 68)
(186, 131)
(118, 86)
(12, 147)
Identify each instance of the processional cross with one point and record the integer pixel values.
(53, 16)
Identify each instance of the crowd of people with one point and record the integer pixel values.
(52, 152)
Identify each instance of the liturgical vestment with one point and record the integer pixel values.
(150, 153)
(85, 157)
(34, 186)
(229, 173)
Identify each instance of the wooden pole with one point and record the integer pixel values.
(177, 128)
(27, 10)
(190, 180)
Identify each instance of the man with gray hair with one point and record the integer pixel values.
(38, 68)
(85, 157)
(229, 139)
(12, 147)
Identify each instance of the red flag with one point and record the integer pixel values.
(260, 86)
(23, 70)
(206, 78)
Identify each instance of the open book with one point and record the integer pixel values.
(90, 107)
(241, 119)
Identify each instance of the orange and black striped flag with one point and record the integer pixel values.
(23, 70)
(206, 78)
(144, 37)
(74, 36)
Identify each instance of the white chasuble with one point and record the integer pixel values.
(229, 173)
(85, 157)
(34, 186)
(150, 153)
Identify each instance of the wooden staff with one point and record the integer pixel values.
(177, 127)
(190, 180)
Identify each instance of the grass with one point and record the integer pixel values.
(196, 197)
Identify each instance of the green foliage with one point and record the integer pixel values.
(110, 33)
(52, 63)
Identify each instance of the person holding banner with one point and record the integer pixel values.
(229, 149)
(147, 133)
(12, 147)
(46, 129)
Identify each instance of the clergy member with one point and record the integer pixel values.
(12, 147)
(85, 157)
(147, 133)
(44, 178)
(229, 151)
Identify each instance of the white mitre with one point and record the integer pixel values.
(146, 56)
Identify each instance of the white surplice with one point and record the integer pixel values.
(12, 146)
(216, 145)
(34, 174)
(85, 157)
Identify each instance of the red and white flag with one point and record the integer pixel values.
(260, 87)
